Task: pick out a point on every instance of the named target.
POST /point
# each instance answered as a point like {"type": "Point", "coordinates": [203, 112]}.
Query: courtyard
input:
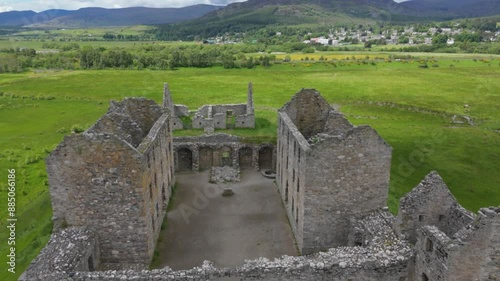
{"type": "Point", "coordinates": [204, 225]}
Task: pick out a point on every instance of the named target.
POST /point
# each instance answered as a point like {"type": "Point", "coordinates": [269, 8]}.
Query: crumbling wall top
{"type": "Point", "coordinates": [215, 138]}
{"type": "Point", "coordinates": [309, 111]}
{"type": "Point", "coordinates": [66, 251]}
{"type": "Point", "coordinates": [130, 119]}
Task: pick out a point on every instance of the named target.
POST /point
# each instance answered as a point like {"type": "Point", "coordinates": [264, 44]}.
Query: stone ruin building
{"type": "Point", "coordinates": [116, 178]}
{"type": "Point", "coordinates": [329, 173]}
{"type": "Point", "coordinates": [451, 243]}
{"type": "Point", "coordinates": [211, 117]}
{"type": "Point", "coordinates": [111, 185]}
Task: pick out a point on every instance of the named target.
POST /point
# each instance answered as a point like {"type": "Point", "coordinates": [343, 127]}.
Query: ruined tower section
{"type": "Point", "coordinates": [473, 253]}
{"type": "Point", "coordinates": [250, 99]}
{"type": "Point", "coordinates": [247, 120]}
{"type": "Point", "coordinates": [175, 110]}
{"type": "Point", "coordinates": [430, 203]}
{"type": "Point", "coordinates": [329, 173]}
{"type": "Point", "coordinates": [116, 179]}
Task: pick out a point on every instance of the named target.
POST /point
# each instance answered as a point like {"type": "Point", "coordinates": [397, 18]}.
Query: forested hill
{"type": "Point", "coordinates": [255, 14]}
{"type": "Point", "coordinates": [98, 17]}
{"type": "Point", "coordinates": [241, 17]}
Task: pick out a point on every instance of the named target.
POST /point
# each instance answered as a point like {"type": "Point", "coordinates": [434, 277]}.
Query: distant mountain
{"type": "Point", "coordinates": [452, 8]}
{"type": "Point", "coordinates": [94, 17]}
{"type": "Point", "coordinates": [20, 18]}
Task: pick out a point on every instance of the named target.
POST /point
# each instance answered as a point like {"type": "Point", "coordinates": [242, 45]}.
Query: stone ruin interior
{"type": "Point", "coordinates": [111, 186]}
{"type": "Point", "coordinates": [211, 117]}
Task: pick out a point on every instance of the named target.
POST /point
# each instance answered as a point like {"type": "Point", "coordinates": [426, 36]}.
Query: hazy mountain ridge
{"type": "Point", "coordinates": [94, 17]}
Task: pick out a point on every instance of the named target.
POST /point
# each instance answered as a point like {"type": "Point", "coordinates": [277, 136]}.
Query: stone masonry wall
{"type": "Point", "coordinates": [69, 250]}
{"type": "Point", "coordinates": [208, 151]}
{"type": "Point", "coordinates": [87, 179]}
{"type": "Point", "coordinates": [430, 203]}
{"type": "Point", "coordinates": [157, 176]}
{"type": "Point", "coordinates": [245, 121]}
{"type": "Point", "coordinates": [456, 218]}
{"type": "Point", "coordinates": [177, 123]}
{"type": "Point", "coordinates": [309, 111]}
{"type": "Point", "coordinates": [99, 180]}
{"type": "Point", "coordinates": [345, 178]}
{"type": "Point", "coordinates": [472, 254]}
{"type": "Point", "coordinates": [478, 255]}
{"type": "Point", "coordinates": [212, 116]}
{"type": "Point", "coordinates": [141, 111]}
{"type": "Point", "coordinates": [384, 258]}
{"type": "Point", "coordinates": [328, 172]}
{"type": "Point", "coordinates": [217, 115]}
{"type": "Point", "coordinates": [291, 174]}
{"type": "Point", "coordinates": [181, 110]}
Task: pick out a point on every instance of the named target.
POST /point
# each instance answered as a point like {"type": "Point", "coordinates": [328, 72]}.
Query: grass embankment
{"type": "Point", "coordinates": [411, 107]}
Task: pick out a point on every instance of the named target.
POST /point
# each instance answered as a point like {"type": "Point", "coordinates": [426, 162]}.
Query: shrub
{"type": "Point", "coordinates": [77, 128]}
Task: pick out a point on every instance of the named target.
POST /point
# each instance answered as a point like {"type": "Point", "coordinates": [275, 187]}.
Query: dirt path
{"type": "Point", "coordinates": [203, 225]}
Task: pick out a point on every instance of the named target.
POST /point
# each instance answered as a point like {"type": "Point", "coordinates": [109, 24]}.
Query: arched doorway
{"type": "Point", "coordinates": [226, 156]}
{"type": "Point", "coordinates": [206, 158]}
{"type": "Point", "coordinates": [266, 158]}
{"type": "Point", "coordinates": [246, 157]}
{"type": "Point", "coordinates": [184, 159]}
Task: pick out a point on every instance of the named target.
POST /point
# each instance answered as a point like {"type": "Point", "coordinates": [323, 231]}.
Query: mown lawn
{"type": "Point", "coordinates": [411, 107]}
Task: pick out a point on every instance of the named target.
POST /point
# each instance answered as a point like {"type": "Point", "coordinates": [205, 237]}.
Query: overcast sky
{"type": "Point", "coordinates": [42, 5]}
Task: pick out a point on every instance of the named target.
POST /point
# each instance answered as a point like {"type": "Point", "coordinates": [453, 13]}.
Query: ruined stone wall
{"type": "Point", "coordinates": [430, 203]}
{"type": "Point", "coordinates": [308, 110]}
{"type": "Point", "coordinates": [383, 258]}
{"type": "Point", "coordinates": [88, 176]}
{"type": "Point", "coordinates": [70, 250]}
{"type": "Point", "coordinates": [237, 109]}
{"type": "Point", "coordinates": [303, 270]}
{"type": "Point", "coordinates": [328, 172]}
{"type": "Point", "coordinates": [217, 115]}
{"type": "Point", "coordinates": [177, 124]}
{"type": "Point", "coordinates": [479, 257]}
{"type": "Point", "coordinates": [181, 110]}
{"type": "Point", "coordinates": [336, 124]}
{"type": "Point", "coordinates": [346, 178]}
{"type": "Point", "coordinates": [157, 176]}
{"type": "Point", "coordinates": [456, 218]}
{"type": "Point", "coordinates": [245, 121]}
{"type": "Point", "coordinates": [209, 150]}
{"type": "Point", "coordinates": [472, 254]}
{"type": "Point", "coordinates": [212, 116]}
{"type": "Point", "coordinates": [141, 111]}
{"type": "Point", "coordinates": [99, 180]}
{"type": "Point", "coordinates": [432, 254]}
{"type": "Point", "coordinates": [120, 125]}
{"type": "Point", "coordinates": [220, 121]}
{"type": "Point", "coordinates": [291, 173]}
{"type": "Point", "coordinates": [129, 120]}
{"type": "Point", "coordinates": [200, 122]}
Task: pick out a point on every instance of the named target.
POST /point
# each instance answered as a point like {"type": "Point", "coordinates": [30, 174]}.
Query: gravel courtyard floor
{"type": "Point", "coordinates": [204, 225]}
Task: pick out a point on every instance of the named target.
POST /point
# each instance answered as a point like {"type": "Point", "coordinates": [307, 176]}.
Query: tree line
{"type": "Point", "coordinates": [158, 57]}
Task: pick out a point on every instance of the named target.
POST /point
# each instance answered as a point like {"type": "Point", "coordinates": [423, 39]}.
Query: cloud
{"type": "Point", "coordinates": [42, 5]}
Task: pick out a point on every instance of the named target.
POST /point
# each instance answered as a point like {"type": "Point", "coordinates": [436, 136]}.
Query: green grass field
{"type": "Point", "coordinates": [13, 42]}
{"type": "Point", "coordinates": [411, 107]}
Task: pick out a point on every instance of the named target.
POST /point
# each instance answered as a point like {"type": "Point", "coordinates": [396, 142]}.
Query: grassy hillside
{"type": "Point", "coordinates": [251, 15]}
{"type": "Point", "coordinates": [411, 107]}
